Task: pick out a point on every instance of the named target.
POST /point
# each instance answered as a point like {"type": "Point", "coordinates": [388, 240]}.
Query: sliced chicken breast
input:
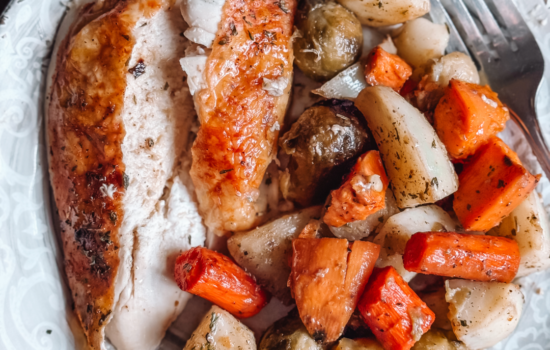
{"type": "Point", "coordinates": [119, 121]}
{"type": "Point", "coordinates": [241, 92]}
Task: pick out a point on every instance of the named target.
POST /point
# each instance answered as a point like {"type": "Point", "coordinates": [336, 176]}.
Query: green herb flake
{"type": "Point", "coordinates": [189, 239]}
{"type": "Point", "coordinates": [166, 86]}
{"type": "Point", "coordinates": [225, 171]}
{"type": "Point", "coordinates": [468, 207]}
{"type": "Point", "coordinates": [213, 320]}
{"type": "Point", "coordinates": [49, 331]}
{"type": "Point", "coordinates": [127, 37]}
{"type": "Point", "coordinates": [250, 36]}
{"type": "Point", "coordinates": [268, 181]}
{"type": "Point", "coordinates": [150, 142]}
{"type": "Point", "coordinates": [435, 183]}
{"type": "Point", "coordinates": [514, 232]}
{"type": "Point", "coordinates": [433, 143]}
{"type": "Point", "coordinates": [233, 29]}
{"type": "Point", "coordinates": [463, 323]}
{"type": "Point", "coordinates": [244, 19]}
{"type": "Point", "coordinates": [223, 41]}
{"type": "Point", "coordinates": [500, 184]}
{"type": "Point", "coordinates": [125, 180]}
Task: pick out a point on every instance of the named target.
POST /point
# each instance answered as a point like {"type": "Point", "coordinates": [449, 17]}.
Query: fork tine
{"type": "Point", "coordinates": [468, 30]}
{"type": "Point", "coordinates": [490, 24]}
{"type": "Point", "coordinates": [509, 17]}
{"type": "Point", "coordinates": [440, 16]}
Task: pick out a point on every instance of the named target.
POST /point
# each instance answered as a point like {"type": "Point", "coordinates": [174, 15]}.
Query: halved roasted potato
{"type": "Point", "coordinates": [483, 313]}
{"type": "Point", "coordinates": [416, 160]}
{"type": "Point", "coordinates": [528, 225]}
{"type": "Point", "coordinates": [264, 251]}
{"type": "Point", "coordinates": [421, 40]}
{"type": "Point", "coordinates": [219, 330]}
{"type": "Point", "coordinates": [377, 13]}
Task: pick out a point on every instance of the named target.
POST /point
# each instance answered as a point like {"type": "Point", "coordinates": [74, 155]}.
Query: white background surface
{"type": "Point", "coordinates": [34, 313]}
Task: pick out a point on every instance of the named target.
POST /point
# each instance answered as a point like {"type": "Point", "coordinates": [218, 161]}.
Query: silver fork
{"type": "Point", "coordinates": [499, 40]}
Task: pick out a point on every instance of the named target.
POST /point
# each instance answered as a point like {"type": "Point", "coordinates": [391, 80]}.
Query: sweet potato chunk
{"type": "Point", "coordinates": [327, 281]}
{"type": "Point", "coordinates": [471, 257]}
{"type": "Point", "coordinates": [467, 116]}
{"type": "Point", "coordinates": [386, 69]}
{"type": "Point", "coordinates": [492, 185]}
{"type": "Point", "coordinates": [362, 194]}
{"type": "Point", "coordinates": [393, 311]}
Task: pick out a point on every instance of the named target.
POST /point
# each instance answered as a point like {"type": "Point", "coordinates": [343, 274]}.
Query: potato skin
{"type": "Point", "coordinates": [322, 144]}
{"type": "Point", "coordinates": [378, 13]}
{"type": "Point", "coordinates": [331, 40]}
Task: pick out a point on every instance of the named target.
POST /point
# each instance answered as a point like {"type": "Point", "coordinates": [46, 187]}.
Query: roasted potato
{"type": "Point", "coordinates": [483, 313]}
{"type": "Point", "coordinates": [397, 230]}
{"type": "Point", "coordinates": [322, 144]}
{"type": "Point", "coordinates": [421, 40]}
{"type": "Point", "coordinates": [357, 230]}
{"type": "Point", "coordinates": [264, 251]}
{"type": "Point", "coordinates": [528, 225]}
{"type": "Point", "coordinates": [219, 330]}
{"type": "Point", "coordinates": [331, 40]}
{"type": "Point", "coordinates": [455, 65]}
{"type": "Point", "coordinates": [377, 13]}
{"type": "Point", "coordinates": [435, 339]}
{"type": "Point", "coordinates": [416, 161]}
{"type": "Point", "coordinates": [288, 333]}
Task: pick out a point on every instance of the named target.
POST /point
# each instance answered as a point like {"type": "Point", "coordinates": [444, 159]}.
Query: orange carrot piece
{"type": "Point", "coordinates": [327, 280]}
{"type": "Point", "coordinates": [472, 257]}
{"type": "Point", "coordinates": [393, 311]}
{"type": "Point", "coordinates": [362, 194]}
{"type": "Point", "coordinates": [491, 186]}
{"type": "Point", "coordinates": [467, 116]}
{"type": "Point", "coordinates": [216, 278]}
{"type": "Point", "coordinates": [386, 69]}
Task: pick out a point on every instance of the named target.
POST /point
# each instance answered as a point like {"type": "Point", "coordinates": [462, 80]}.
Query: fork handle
{"type": "Point", "coordinates": [531, 129]}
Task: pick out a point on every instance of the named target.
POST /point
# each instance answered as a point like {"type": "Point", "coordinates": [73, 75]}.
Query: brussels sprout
{"type": "Point", "coordinates": [331, 40]}
{"type": "Point", "coordinates": [288, 333]}
{"type": "Point", "coordinates": [323, 143]}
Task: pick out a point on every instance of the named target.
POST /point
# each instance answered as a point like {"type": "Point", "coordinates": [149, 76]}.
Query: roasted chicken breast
{"type": "Point", "coordinates": [118, 120]}
{"type": "Point", "coordinates": [241, 105]}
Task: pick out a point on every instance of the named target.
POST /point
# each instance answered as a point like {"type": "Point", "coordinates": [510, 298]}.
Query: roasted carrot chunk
{"type": "Point", "coordinates": [216, 278]}
{"type": "Point", "coordinates": [327, 280]}
{"type": "Point", "coordinates": [393, 311]}
{"type": "Point", "coordinates": [467, 116]}
{"type": "Point", "coordinates": [386, 69]}
{"type": "Point", "coordinates": [362, 194]}
{"type": "Point", "coordinates": [491, 186]}
{"type": "Point", "coordinates": [472, 257]}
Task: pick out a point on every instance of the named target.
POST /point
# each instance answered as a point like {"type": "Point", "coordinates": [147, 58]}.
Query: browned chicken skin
{"type": "Point", "coordinates": [239, 119]}
{"type": "Point", "coordinates": [85, 132]}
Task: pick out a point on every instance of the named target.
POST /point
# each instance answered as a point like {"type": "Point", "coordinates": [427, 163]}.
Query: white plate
{"type": "Point", "coordinates": [34, 312]}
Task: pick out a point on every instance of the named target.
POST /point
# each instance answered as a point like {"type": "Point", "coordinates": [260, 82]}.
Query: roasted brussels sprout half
{"type": "Point", "coordinates": [288, 333]}
{"type": "Point", "coordinates": [331, 40]}
{"type": "Point", "coordinates": [323, 144]}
